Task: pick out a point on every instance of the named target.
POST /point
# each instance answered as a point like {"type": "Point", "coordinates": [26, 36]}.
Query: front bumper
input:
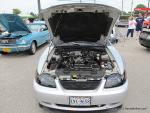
{"type": "Point", "coordinates": [58, 98]}
{"type": "Point", "coordinates": [144, 42]}
{"type": "Point", "coordinates": [13, 48]}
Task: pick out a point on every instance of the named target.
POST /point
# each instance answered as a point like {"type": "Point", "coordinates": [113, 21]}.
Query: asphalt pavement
{"type": "Point", "coordinates": [18, 70]}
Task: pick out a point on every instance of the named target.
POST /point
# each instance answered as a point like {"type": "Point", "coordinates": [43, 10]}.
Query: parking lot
{"type": "Point", "coordinates": [18, 70]}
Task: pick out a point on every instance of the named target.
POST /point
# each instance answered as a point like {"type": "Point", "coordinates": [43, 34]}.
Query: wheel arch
{"type": "Point", "coordinates": [35, 43]}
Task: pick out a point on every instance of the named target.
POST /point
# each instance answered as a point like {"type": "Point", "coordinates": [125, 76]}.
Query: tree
{"type": "Point", "coordinates": [33, 14]}
{"type": "Point", "coordinates": [140, 6]}
{"type": "Point", "coordinates": [16, 11]}
{"type": "Point", "coordinates": [124, 13]}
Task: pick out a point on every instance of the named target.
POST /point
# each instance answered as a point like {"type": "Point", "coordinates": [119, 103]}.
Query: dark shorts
{"type": "Point", "coordinates": [139, 28]}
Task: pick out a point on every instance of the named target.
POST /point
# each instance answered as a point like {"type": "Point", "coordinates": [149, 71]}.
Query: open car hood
{"type": "Point", "coordinates": [13, 23]}
{"type": "Point", "coordinates": [81, 22]}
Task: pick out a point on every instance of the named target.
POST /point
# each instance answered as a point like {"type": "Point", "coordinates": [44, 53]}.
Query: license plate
{"type": "Point", "coordinates": [6, 50]}
{"type": "Point", "coordinates": [80, 101]}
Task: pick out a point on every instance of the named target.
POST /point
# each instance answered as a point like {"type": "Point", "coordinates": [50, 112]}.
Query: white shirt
{"type": "Point", "coordinates": [132, 24]}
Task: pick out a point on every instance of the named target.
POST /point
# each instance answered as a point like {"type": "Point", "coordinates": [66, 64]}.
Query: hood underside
{"type": "Point", "coordinates": [13, 23]}
{"type": "Point", "coordinates": [81, 22]}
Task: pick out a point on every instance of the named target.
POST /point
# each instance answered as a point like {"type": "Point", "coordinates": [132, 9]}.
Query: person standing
{"type": "Point", "coordinates": [139, 25]}
{"type": "Point", "coordinates": [131, 26]}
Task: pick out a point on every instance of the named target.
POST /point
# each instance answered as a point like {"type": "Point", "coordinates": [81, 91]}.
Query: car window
{"type": "Point", "coordinates": [147, 19]}
{"type": "Point", "coordinates": [34, 27]}
{"type": "Point", "coordinates": [43, 27]}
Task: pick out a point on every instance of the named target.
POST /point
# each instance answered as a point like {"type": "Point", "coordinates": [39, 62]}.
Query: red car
{"type": "Point", "coordinates": [147, 23]}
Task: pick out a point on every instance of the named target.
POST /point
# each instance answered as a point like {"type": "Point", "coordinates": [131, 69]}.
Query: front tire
{"type": "Point", "coordinates": [32, 49]}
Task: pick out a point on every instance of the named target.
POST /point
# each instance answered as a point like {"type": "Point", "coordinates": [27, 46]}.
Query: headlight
{"type": "Point", "coordinates": [46, 79]}
{"type": "Point", "coordinates": [114, 80]}
{"type": "Point", "coordinates": [23, 42]}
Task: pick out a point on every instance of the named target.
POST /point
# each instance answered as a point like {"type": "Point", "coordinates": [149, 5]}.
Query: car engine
{"type": "Point", "coordinates": [79, 64]}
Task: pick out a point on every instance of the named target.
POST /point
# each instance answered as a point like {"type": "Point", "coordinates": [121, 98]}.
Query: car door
{"type": "Point", "coordinates": [36, 35]}
{"type": "Point", "coordinates": [44, 34]}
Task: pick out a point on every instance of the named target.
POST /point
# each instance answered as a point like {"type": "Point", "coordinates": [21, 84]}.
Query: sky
{"type": "Point", "coordinates": [27, 6]}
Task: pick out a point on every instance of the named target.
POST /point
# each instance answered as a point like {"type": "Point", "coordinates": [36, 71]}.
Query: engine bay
{"type": "Point", "coordinates": [79, 64]}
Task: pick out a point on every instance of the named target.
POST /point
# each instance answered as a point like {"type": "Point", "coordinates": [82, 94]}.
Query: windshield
{"type": "Point", "coordinates": [34, 27]}
{"type": "Point", "coordinates": [37, 27]}
{"type": "Point", "coordinates": [49, 3]}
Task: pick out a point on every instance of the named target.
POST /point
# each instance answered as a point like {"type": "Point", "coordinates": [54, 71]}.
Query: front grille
{"type": "Point", "coordinates": [80, 85]}
{"type": "Point", "coordinates": [7, 41]}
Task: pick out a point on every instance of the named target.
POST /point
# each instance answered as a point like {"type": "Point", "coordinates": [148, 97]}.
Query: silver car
{"type": "Point", "coordinates": [81, 70]}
